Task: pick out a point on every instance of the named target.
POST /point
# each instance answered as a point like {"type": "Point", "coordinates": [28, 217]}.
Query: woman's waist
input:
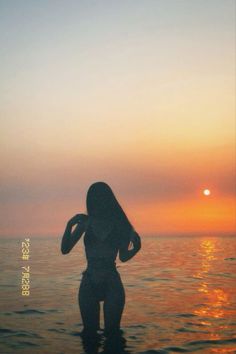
{"type": "Point", "coordinates": [101, 263]}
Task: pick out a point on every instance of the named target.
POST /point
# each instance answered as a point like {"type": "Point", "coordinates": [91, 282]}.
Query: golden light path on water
{"type": "Point", "coordinates": [215, 297]}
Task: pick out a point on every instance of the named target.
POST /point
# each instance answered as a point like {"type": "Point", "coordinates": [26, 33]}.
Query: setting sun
{"type": "Point", "coordinates": [206, 192]}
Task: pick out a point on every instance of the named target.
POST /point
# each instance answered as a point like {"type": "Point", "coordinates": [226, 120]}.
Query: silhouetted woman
{"type": "Point", "coordinates": [107, 232]}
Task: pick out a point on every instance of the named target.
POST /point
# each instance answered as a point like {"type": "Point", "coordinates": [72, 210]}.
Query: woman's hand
{"type": "Point", "coordinates": [78, 218]}
{"type": "Point", "coordinates": [70, 238]}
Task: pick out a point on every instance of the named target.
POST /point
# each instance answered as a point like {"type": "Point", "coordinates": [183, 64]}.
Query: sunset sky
{"type": "Point", "coordinates": [138, 93]}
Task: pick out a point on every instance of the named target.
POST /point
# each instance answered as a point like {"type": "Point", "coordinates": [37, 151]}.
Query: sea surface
{"type": "Point", "coordinates": [180, 297]}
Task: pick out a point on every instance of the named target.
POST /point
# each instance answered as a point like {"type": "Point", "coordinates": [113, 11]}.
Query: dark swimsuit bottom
{"type": "Point", "coordinates": [101, 274]}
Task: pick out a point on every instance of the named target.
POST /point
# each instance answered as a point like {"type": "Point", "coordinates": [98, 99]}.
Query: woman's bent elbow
{"type": "Point", "coordinates": [123, 258]}
{"type": "Point", "coordinates": [64, 251]}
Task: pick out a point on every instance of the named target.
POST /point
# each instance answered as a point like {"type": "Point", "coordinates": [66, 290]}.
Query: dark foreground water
{"type": "Point", "coordinates": [180, 297]}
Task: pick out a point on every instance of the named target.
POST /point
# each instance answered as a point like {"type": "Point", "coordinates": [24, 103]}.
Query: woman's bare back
{"type": "Point", "coordinates": [101, 227]}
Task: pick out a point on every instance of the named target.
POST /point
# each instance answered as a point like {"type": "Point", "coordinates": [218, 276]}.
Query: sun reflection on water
{"type": "Point", "coordinates": [215, 298]}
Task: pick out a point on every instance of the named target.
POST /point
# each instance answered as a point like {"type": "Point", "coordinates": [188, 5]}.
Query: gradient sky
{"type": "Point", "coordinates": [139, 94]}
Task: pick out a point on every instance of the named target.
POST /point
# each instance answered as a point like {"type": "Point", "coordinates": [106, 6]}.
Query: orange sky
{"type": "Point", "coordinates": [135, 95]}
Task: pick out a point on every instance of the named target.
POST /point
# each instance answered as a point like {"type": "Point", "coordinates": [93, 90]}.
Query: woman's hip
{"type": "Point", "coordinates": [102, 284]}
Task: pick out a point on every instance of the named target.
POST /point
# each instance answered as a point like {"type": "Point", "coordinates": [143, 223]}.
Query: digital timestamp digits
{"type": "Point", "coordinates": [25, 274]}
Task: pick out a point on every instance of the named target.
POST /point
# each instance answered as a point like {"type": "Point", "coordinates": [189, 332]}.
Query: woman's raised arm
{"type": "Point", "coordinates": [124, 252]}
{"type": "Point", "coordinates": [70, 238]}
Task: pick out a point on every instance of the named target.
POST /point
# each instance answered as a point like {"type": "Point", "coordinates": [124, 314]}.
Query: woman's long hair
{"type": "Point", "coordinates": [102, 203]}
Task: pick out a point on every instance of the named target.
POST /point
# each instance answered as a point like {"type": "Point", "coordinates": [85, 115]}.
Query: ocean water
{"type": "Point", "coordinates": [180, 297]}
